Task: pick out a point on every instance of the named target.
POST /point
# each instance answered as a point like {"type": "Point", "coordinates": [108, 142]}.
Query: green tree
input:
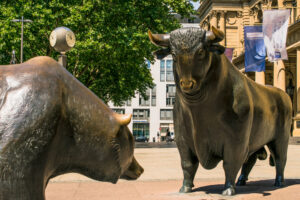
{"type": "Point", "coordinates": [111, 38]}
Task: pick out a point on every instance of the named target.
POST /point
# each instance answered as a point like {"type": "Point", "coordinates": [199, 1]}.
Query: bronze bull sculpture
{"type": "Point", "coordinates": [220, 114]}
{"type": "Point", "coordinates": [51, 124]}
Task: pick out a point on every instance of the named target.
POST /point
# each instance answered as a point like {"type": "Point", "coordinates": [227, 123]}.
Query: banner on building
{"type": "Point", "coordinates": [255, 51]}
{"type": "Point", "coordinates": [228, 53]}
{"type": "Point", "coordinates": [275, 25]}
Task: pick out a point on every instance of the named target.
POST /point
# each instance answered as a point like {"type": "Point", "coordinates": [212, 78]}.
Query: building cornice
{"type": "Point", "coordinates": [207, 6]}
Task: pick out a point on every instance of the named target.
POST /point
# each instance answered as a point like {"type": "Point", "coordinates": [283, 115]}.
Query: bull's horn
{"type": "Point", "coordinates": [123, 119]}
{"type": "Point", "coordinates": [214, 36]}
{"type": "Point", "coordinates": [162, 40]}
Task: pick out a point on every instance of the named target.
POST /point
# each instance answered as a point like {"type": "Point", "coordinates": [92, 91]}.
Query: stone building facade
{"type": "Point", "coordinates": [231, 16]}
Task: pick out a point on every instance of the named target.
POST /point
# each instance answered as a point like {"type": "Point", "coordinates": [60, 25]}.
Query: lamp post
{"type": "Point", "coordinates": [13, 57]}
{"type": "Point", "coordinates": [62, 39]}
{"type": "Point", "coordinates": [22, 20]}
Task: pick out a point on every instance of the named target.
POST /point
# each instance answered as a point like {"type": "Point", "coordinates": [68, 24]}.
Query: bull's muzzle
{"type": "Point", "coordinates": [187, 84]}
{"type": "Point", "coordinates": [133, 172]}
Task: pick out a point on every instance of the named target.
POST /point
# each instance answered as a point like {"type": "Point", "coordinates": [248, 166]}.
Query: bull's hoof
{"type": "Point", "coordinates": [242, 180]}
{"type": "Point", "coordinates": [279, 182]}
{"type": "Point", "coordinates": [185, 189]}
{"type": "Point", "coordinates": [241, 183]}
{"type": "Point", "coordinates": [229, 191]}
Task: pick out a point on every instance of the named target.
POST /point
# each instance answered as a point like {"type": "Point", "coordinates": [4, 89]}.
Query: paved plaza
{"type": "Point", "coordinates": [163, 176]}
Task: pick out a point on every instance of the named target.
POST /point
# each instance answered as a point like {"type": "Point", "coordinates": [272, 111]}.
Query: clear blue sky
{"type": "Point", "coordinates": [196, 5]}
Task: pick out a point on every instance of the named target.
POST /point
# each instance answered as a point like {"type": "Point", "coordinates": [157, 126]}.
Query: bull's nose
{"type": "Point", "coordinates": [187, 84]}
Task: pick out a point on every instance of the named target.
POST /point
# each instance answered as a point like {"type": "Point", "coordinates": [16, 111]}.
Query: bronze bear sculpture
{"type": "Point", "coordinates": [51, 124]}
{"type": "Point", "coordinates": [220, 114]}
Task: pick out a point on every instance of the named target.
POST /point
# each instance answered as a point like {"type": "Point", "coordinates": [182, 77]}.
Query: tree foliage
{"type": "Point", "coordinates": [111, 38]}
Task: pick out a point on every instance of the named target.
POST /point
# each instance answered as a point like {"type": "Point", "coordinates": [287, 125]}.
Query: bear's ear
{"type": "Point", "coordinates": [161, 53]}
{"type": "Point", "coordinates": [216, 48]}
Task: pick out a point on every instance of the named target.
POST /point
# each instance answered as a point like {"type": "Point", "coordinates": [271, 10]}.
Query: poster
{"type": "Point", "coordinates": [275, 25]}
{"type": "Point", "coordinates": [255, 51]}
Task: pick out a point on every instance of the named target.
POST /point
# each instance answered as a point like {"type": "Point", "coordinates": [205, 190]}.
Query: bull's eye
{"type": "Point", "coordinates": [201, 53]}
{"type": "Point", "coordinates": [173, 54]}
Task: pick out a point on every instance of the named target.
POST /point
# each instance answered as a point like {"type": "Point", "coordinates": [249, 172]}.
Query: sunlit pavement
{"type": "Point", "coordinates": [163, 176]}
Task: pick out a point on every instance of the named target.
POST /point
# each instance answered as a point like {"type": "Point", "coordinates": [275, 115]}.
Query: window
{"type": "Point", "coordinates": [145, 102]}
{"type": "Point", "coordinates": [153, 96]}
{"type": "Point", "coordinates": [140, 129]}
{"type": "Point", "coordinates": [162, 70]}
{"type": "Point", "coordinates": [166, 114]}
{"type": "Point", "coordinates": [166, 70]}
{"type": "Point", "coordinates": [141, 114]}
{"type": "Point", "coordinates": [169, 74]}
{"type": "Point", "coordinates": [119, 110]}
{"type": "Point", "coordinates": [170, 95]}
{"type": "Point", "coordinates": [128, 103]}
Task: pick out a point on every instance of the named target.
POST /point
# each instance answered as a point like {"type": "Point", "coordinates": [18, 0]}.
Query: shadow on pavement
{"type": "Point", "coordinates": [263, 187]}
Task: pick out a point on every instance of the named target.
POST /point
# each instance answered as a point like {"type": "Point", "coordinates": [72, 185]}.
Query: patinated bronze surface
{"type": "Point", "coordinates": [219, 113]}
{"type": "Point", "coordinates": [51, 124]}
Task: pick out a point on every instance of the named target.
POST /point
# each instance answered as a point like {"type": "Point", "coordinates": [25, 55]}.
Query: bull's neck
{"type": "Point", "coordinates": [214, 83]}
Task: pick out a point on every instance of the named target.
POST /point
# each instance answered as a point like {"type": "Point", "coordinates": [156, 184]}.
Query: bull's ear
{"type": "Point", "coordinates": [161, 53]}
{"type": "Point", "coordinates": [162, 40]}
{"type": "Point", "coordinates": [216, 48]}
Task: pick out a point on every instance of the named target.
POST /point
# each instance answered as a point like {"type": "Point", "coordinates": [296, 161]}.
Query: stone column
{"type": "Point", "coordinates": [279, 75]}
{"type": "Point", "coordinates": [298, 9]}
{"type": "Point", "coordinates": [296, 130]}
{"type": "Point", "coordinates": [260, 77]}
{"type": "Point", "coordinates": [280, 3]}
{"type": "Point", "coordinates": [240, 47]}
{"type": "Point", "coordinates": [289, 5]}
{"type": "Point", "coordinates": [222, 25]}
{"type": "Point", "coordinates": [213, 19]}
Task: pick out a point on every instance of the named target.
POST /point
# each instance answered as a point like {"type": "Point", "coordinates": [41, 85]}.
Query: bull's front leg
{"type": "Point", "coordinates": [189, 165]}
{"type": "Point", "coordinates": [233, 159]}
